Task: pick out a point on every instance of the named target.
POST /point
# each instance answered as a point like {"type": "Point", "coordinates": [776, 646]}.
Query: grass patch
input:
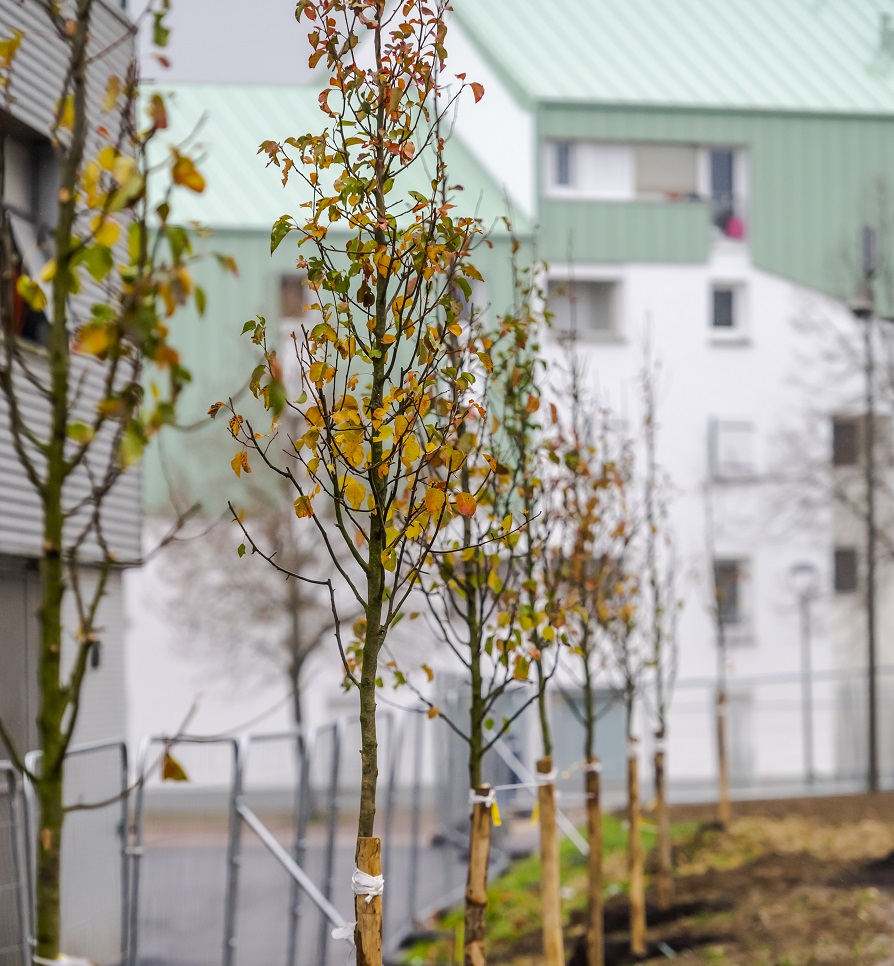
{"type": "Point", "coordinates": [513, 899]}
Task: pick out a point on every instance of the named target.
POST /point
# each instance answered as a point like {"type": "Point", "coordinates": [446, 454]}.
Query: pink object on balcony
{"type": "Point", "coordinates": [735, 227]}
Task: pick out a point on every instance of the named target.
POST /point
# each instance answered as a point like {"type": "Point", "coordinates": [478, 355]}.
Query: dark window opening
{"type": "Point", "coordinates": [845, 570]}
{"type": "Point", "coordinates": [291, 297]}
{"type": "Point", "coordinates": [723, 308]}
{"type": "Point", "coordinates": [727, 590]}
{"type": "Point", "coordinates": [722, 188]}
{"type": "Point", "coordinates": [563, 164]}
{"type": "Point", "coordinates": [845, 441]}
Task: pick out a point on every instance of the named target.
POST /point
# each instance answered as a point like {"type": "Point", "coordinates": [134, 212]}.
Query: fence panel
{"type": "Point", "coordinates": [14, 949]}
{"type": "Point", "coordinates": [184, 855]}
{"type": "Point", "coordinates": [94, 920]}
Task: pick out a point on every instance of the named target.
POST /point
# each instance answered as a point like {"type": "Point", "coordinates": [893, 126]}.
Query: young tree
{"type": "Point", "coordinates": [540, 613]}
{"type": "Point", "coordinates": [118, 269]}
{"type": "Point", "coordinates": [659, 618]}
{"type": "Point", "coordinates": [387, 370]}
{"type": "Point", "coordinates": [473, 593]}
{"type": "Point", "coordinates": [721, 587]}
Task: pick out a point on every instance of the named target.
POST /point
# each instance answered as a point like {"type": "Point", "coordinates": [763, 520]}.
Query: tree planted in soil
{"type": "Point", "coordinates": [386, 371]}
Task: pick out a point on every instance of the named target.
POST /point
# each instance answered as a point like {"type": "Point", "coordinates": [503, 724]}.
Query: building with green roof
{"type": "Point", "coordinates": [695, 174]}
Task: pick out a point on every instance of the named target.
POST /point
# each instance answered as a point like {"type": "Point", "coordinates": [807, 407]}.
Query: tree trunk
{"type": "Point", "coordinates": [662, 820]}
{"type": "Point", "coordinates": [595, 924]}
{"type": "Point", "coordinates": [551, 900]}
{"type": "Point", "coordinates": [368, 934]}
{"type": "Point", "coordinates": [724, 811]}
{"type": "Point", "coordinates": [476, 883]}
{"type": "Point", "coordinates": [635, 861]}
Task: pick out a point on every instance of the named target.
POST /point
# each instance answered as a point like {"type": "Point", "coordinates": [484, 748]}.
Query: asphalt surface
{"type": "Point", "coordinates": [182, 902]}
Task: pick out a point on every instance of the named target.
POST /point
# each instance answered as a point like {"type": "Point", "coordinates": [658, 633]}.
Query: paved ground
{"type": "Point", "coordinates": [182, 901]}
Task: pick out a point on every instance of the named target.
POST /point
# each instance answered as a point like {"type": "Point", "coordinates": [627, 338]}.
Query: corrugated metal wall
{"type": "Point", "coordinates": [40, 64]}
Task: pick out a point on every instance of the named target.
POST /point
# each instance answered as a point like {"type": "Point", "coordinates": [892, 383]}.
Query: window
{"type": "Point", "coordinates": [845, 570]}
{"type": "Point", "coordinates": [845, 441]}
{"type": "Point", "coordinates": [731, 449]}
{"type": "Point", "coordinates": [723, 303]}
{"type": "Point", "coordinates": [21, 168]}
{"type": "Point", "coordinates": [589, 169]}
{"type": "Point", "coordinates": [562, 158]}
{"type": "Point", "coordinates": [848, 434]}
{"type": "Point", "coordinates": [583, 308]}
{"type": "Point", "coordinates": [666, 171]}
{"type": "Point", "coordinates": [728, 575]}
{"type": "Point", "coordinates": [291, 297]}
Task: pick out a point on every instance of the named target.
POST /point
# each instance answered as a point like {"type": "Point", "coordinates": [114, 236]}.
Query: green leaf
{"type": "Point", "coordinates": [241, 550]}
{"type": "Point", "coordinates": [200, 299]}
{"type": "Point", "coordinates": [132, 445]}
{"type": "Point", "coordinates": [160, 32]}
{"type": "Point", "coordinates": [280, 229]}
{"type": "Point", "coordinates": [80, 433]}
{"type": "Point", "coordinates": [99, 261]}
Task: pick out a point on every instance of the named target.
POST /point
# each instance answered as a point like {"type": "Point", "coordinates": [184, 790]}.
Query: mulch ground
{"type": "Point", "coordinates": [789, 883]}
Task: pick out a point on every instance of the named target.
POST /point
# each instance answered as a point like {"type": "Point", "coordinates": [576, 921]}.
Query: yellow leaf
{"type": "Point", "coordinates": [433, 712]}
{"type": "Point", "coordinates": [66, 115]}
{"type": "Point", "coordinates": [239, 463]}
{"type": "Point", "coordinates": [355, 492]}
{"type": "Point", "coordinates": [31, 292]}
{"type": "Point", "coordinates": [113, 89]}
{"type": "Point", "coordinates": [184, 172]}
{"type": "Point", "coordinates": [466, 504]}
{"type": "Point", "coordinates": [434, 500]}
{"type": "Point", "coordinates": [48, 272]}
{"type": "Point", "coordinates": [303, 507]}
{"type": "Point", "coordinates": [495, 814]}
{"type": "Point", "coordinates": [95, 339]}
{"type": "Point", "coordinates": [411, 451]}
{"type": "Point", "coordinates": [107, 157]}
{"type": "Point", "coordinates": [172, 770]}
{"type": "Point", "coordinates": [105, 231]}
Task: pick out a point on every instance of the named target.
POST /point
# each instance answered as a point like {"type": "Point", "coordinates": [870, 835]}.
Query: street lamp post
{"type": "Point", "coordinates": [805, 582]}
{"type": "Point", "coordinates": [863, 308]}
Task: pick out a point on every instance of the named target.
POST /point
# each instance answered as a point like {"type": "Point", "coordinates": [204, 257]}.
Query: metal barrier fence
{"type": "Point", "coordinates": [250, 863]}
{"type": "Point", "coordinates": [94, 850]}
{"type": "Point", "coordinates": [14, 949]}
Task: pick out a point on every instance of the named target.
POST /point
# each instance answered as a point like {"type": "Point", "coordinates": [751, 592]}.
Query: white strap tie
{"type": "Point", "coordinates": [547, 778]}
{"type": "Point", "coordinates": [344, 932]}
{"type": "Point", "coordinates": [364, 884]}
{"type": "Point", "coordinates": [490, 799]}
{"type": "Point", "coordinates": [593, 767]}
{"type": "Point", "coordinates": [660, 746]}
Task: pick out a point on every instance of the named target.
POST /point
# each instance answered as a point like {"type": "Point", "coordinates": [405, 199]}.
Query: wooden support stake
{"type": "Point", "coordinates": [476, 883]}
{"type": "Point", "coordinates": [368, 934]}
{"type": "Point", "coordinates": [724, 811]}
{"type": "Point", "coordinates": [635, 862]}
{"type": "Point", "coordinates": [662, 821]}
{"type": "Point", "coordinates": [595, 921]}
{"type": "Point", "coordinates": [551, 900]}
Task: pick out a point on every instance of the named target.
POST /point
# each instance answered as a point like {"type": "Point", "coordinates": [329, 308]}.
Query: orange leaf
{"type": "Point", "coordinates": [533, 404]}
{"type": "Point", "coordinates": [184, 172]}
{"type": "Point", "coordinates": [303, 507]}
{"type": "Point", "coordinates": [466, 504]}
{"type": "Point", "coordinates": [477, 90]}
{"type": "Point", "coordinates": [240, 463]}
{"type": "Point", "coordinates": [434, 500]}
{"type": "Point", "coordinates": [172, 770]}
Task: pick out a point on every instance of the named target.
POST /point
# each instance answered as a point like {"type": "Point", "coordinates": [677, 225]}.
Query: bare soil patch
{"type": "Point", "coordinates": [788, 884]}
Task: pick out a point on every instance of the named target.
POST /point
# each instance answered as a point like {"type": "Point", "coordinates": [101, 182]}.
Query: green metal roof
{"type": "Point", "coordinates": [223, 125]}
{"type": "Point", "coordinates": [827, 56]}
